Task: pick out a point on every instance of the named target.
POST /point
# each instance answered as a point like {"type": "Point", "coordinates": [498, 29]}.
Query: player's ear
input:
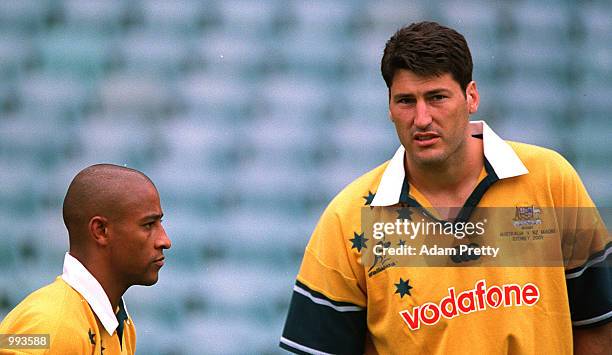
{"type": "Point", "coordinates": [98, 229]}
{"type": "Point", "coordinates": [472, 96]}
{"type": "Point", "coordinates": [389, 99]}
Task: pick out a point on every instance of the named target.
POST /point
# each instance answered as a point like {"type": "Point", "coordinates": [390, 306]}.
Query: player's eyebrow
{"type": "Point", "coordinates": [152, 217]}
{"type": "Point", "coordinates": [429, 93]}
{"type": "Point", "coordinates": [437, 92]}
{"type": "Point", "coordinates": [399, 96]}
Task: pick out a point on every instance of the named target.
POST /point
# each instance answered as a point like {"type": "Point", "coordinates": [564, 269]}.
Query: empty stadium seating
{"type": "Point", "coordinates": [250, 116]}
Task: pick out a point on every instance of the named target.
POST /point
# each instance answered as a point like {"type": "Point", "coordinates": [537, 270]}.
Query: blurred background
{"type": "Point", "coordinates": [250, 116]}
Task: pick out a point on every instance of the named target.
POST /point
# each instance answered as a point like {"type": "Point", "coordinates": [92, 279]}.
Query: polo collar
{"type": "Point", "coordinates": [80, 279]}
{"type": "Point", "coordinates": [498, 153]}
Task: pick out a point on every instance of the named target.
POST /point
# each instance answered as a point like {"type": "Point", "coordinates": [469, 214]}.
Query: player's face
{"type": "Point", "coordinates": [431, 116]}
{"type": "Point", "coordinates": [138, 237]}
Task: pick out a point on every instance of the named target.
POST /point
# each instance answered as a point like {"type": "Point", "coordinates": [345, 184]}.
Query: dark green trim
{"type": "Point", "coordinates": [121, 318]}
{"type": "Point", "coordinates": [471, 202]}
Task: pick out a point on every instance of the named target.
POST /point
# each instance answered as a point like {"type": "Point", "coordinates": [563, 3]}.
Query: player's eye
{"type": "Point", "coordinates": [405, 101]}
{"type": "Point", "coordinates": [438, 97]}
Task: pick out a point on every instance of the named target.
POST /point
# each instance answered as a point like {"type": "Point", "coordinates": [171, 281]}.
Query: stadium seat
{"type": "Point", "coordinates": [254, 19]}
{"type": "Point", "coordinates": [542, 21]}
{"type": "Point", "coordinates": [543, 94]}
{"type": "Point", "coordinates": [226, 334]}
{"type": "Point", "coordinates": [593, 99]}
{"type": "Point", "coordinates": [23, 16]}
{"type": "Point", "coordinates": [250, 116]}
{"type": "Point", "coordinates": [280, 139]}
{"type": "Point", "coordinates": [293, 94]}
{"type": "Point", "coordinates": [314, 53]}
{"type": "Point", "coordinates": [76, 52]}
{"type": "Point", "coordinates": [388, 16]}
{"type": "Point", "coordinates": [57, 97]}
{"type": "Point", "coordinates": [233, 53]}
{"type": "Point", "coordinates": [16, 53]}
{"type": "Point", "coordinates": [239, 290]}
{"type": "Point", "coordinates": [128, 93]}
{"type": "Point", "coordinates": [364, 140]}
{"type": "Point", "coordinates": [178, 16]}
{"type": "Point", "coordinates": [215, 96]}
{"type": "Point", "coordinates": [118, 139]}
{"type": "Point", "coordinates": [104, 16]}
{"type": "Point", "coordinates": [41, 145]}
{"type": "Point", "coordinates": [158, 54]}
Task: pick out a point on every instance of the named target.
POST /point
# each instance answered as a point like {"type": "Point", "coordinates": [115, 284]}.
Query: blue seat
{"type": "Point", "coordinates": [153, 52]}
{"type": "Point", "coordinates": [388, 16]}
{"type": "Point", "coordinates": [281, 140]}
{"type": "Point", "coordinates": [370, 138]}
{"type": "Point", "coordinates": [77, 52]}
{"type": "Point", "coordinates": [296, 94]}
{"type": "Point", "coordinates": [316, 54]}
{"type": "Point", "coordinates": [130, 93]}
{"type": "Point", "coordinates": [102, 16]}
{"type": "Point", "coordinates": [542, 21]}
{"type": "Point", "coordinates": [531, 127]}
{"type": "Point", "coordinates": [24, 16]}
{"type": "Point", "coordinates": [43, 143]}
{"type": "Point", "coordinates": [16, 51]}
{"type": "Point", "coordinates": [254, 19]}
{"type": "Point", "coordinates": [245, 290]}
{"type": "Point", "coordinates": [212, 95]}
{"type": "Point", "coordinates": [332, 18]}
{"type": "Point", "coordinates": [233, 54]}
{"type": "Point", "coordinates": [179, 16]}
{"type": "Point", "coordinates": [217, 333]}
{"type": "Point", "coordinates": [163, 301]}
{"type": "Point", "coordinates": [541, 94]}
{"type": "Point", "coordinates": [54, 96]}
{"type": "Point", "coordinates": [117, 139]}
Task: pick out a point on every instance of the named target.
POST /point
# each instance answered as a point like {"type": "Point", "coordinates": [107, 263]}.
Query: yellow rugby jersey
{"type": "Point", "coordinates": [76, 313]}
{"type": "Point", "coordinates": [340, 306]}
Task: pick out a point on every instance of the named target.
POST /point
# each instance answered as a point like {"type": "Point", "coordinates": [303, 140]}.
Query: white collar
{"type": "Point", "coordinates": [500, 155]}
{"type": "Point", "coordinates": [80, 279]}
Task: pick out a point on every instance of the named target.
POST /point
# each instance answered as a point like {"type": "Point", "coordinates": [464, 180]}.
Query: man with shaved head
{"type": "Point", "coordinates": [113, 216]}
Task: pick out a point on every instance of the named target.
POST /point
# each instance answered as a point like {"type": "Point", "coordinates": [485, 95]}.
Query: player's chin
{"type": "Point", "coordinates": [150, 279]}
{"type": "Point", "coordinates": [430, 157]}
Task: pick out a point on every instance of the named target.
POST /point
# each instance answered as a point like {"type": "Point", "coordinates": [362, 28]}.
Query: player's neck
{"type": "Point", "coordinates": [110, 284]}
{"type": "Point", "coordinates": [450, 183]}
{"type": "Point", "coordinates": [114, 294]}
{"type": "Point", "coordinates": [113, 289]}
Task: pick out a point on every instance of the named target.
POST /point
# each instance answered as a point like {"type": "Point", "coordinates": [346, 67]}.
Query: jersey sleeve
{"type": "Point", "coordinates": [586, 247]}
{"type": "Point", "coordinates": [327, 313]}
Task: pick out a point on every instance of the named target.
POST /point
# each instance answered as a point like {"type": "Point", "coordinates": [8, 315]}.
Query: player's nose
{"type": "Point", "coordinates": [422, 117]}
{"type": "Point", "coordinates": [163, 241]}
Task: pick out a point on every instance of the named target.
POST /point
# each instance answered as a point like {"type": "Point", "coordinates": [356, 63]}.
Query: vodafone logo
{"type": "Point", "coordinates": [479, 298]}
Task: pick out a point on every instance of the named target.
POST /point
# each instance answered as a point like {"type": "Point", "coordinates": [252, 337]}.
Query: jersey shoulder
{"type": "Point", "coordinates": [551, 174]}
{"type": "Point", "coordinates": [53, 309]}
{"type": "Point", "coordinates": [359, 193]}
{"type": "Point", "coordinates": [539, 159]}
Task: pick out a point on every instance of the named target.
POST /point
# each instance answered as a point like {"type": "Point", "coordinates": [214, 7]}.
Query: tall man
{"type": "Point", "coordinates": [113, 216]}
{"type": "Point", "coordinates": [445, 167]}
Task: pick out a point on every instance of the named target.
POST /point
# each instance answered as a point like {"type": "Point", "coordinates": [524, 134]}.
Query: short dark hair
{"type": "Point", "coordinates": [428, 49]}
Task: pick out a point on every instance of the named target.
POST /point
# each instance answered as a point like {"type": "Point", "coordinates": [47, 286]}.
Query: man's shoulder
{"type": "Point", "coordinates": [360, 192]}
{"type": "Point", "coordinates": [45, 309]}
{"type": "Point", "coordinates": [536, 158]}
